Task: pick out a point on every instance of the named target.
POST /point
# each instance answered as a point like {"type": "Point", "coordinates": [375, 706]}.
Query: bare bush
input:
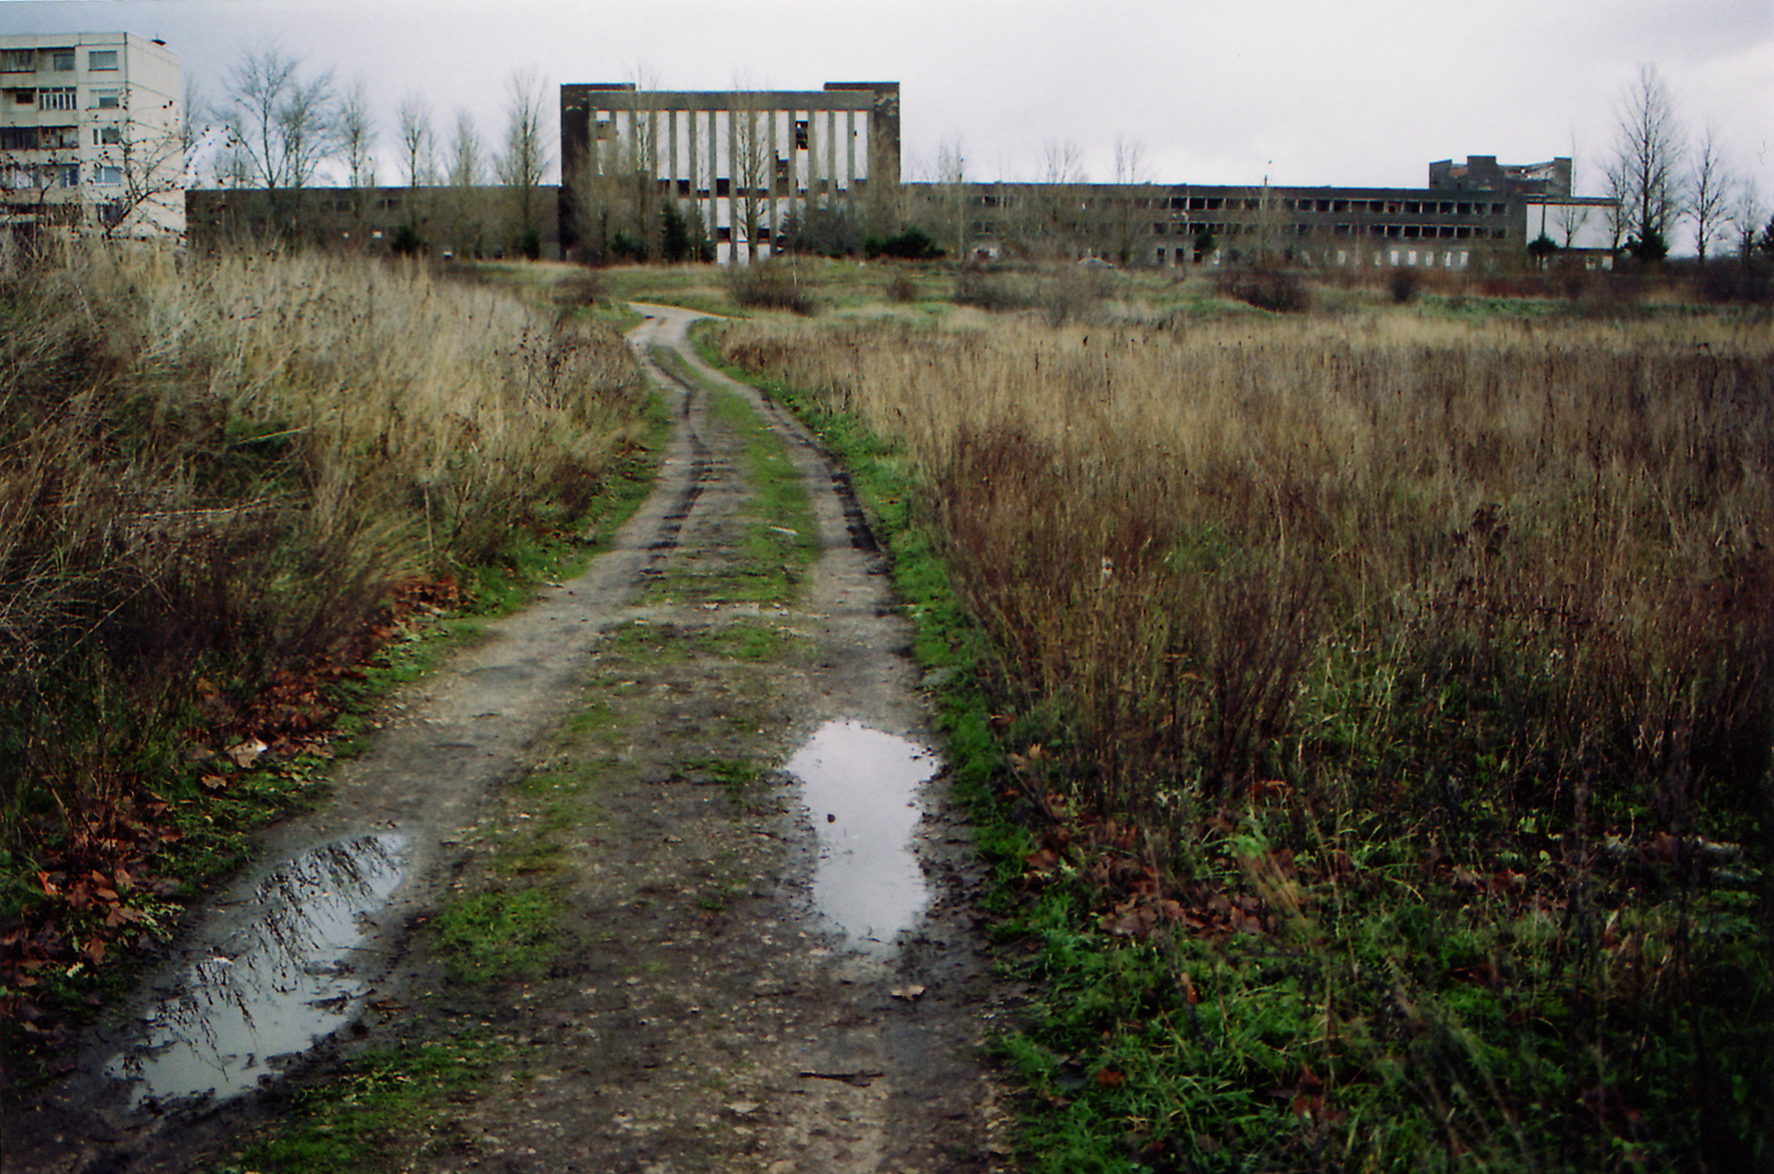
{"type": "Point", "coordinates": [770, 287]}
{"type": "Point", "coordinates": [1280, 291]}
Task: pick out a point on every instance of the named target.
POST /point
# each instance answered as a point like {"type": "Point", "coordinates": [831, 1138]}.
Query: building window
{"type": "Point", "coordinates": [108, 176]}
{"type": "Point", "coordinates": [58, 98]}
{"type": "Point", "coordinates": [101, 59]}
{"type": "Point", "coordinates": [107, 135]}
{"type": "Point", "coordinates": [71, 175]}
{"type": "Point", "coordinates": [106, 99]}
{"type": "Point", "coordinates": [61, 60]}
{"type": "Point", "coordinates": [58, 136]}
{"type": "Point", "coordinates": [18, 61]}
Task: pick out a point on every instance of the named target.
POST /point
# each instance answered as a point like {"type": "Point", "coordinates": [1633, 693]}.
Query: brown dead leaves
{"type": "Point", "coordinates": [95, 888]}
{"type": "Point", "coordinates": [1138, 901]}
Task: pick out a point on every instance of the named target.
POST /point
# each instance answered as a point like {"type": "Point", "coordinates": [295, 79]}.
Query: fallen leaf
{"type": "Point", "coordinates": [910, 994]}
{"type": "Point", "coordinates": [245, 753]}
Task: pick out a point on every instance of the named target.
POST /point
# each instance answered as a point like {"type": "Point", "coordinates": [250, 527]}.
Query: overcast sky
{"type": "Point", "coordinates": [1343, 92]}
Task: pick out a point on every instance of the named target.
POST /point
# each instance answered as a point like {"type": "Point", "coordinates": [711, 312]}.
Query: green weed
{"type": "Point", "coordinates": [499, 934]}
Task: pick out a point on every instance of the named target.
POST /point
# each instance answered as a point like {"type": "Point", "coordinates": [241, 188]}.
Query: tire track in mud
{"type": "Point", "coordinates": [702, 1013]}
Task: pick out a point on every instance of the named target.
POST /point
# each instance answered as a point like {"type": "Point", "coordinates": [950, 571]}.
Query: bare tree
{"type": "Point", "coordinates": [948, 183]}
{"type": "Point", "coordinates": [1057, 213]}
{"type": "Point", "coordinates": [1711, 188]}
{"type": "Point", "coordinates": [752, 167]}
{"type": "Point", "coordinates": [357, 141]}
{"type": "Point", "coordinates": [642, 161]}
{"type": "Point", "coordinates": [1571, 216]}
{"type": "Point", "coordinates": [1133, 208]}
{"type": "Point", "coordinates": [280, 128]}
{"type": "Point", "coordinates": [599, 193]}
{"type": "Point", "coordinates": [417, 146]}
{"type": "Point", "coordinates": [1649, 147]}
{"type": "Point", "coordinates": [524, 163]}
{"type": "Point", "coordinates": [145, 163]}
{"type": "Point", "coordinates": [1748, 215]}
{"type": "Point", "coordinates": [465, 172]}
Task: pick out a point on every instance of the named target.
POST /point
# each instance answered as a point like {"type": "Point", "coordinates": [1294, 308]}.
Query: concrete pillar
{"type": "Point", "coordinates": [831, 150]}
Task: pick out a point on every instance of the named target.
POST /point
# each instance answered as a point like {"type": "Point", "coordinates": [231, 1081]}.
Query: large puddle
{"type": "Point", "coordinates": [272, 985]}
{"type": "Point", "coordinates": [861, 787]}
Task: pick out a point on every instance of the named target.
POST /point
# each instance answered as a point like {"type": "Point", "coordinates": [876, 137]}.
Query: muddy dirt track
{"type": "Point", "coordinates": [721, 996]}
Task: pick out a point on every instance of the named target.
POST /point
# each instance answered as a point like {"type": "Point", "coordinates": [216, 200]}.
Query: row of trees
{"type": "Point", "coordinates": [1660, 177]}
{"type": "Point", "coordinates": [281, 126]}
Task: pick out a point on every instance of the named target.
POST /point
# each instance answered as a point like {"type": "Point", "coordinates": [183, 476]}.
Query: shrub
{"type": "Point", "coordinates": [1749, 281]}
{"type": "Point", "coordinates": [407, 241]}
{"type": "Point", "coordinates": [585, 288]}
{"type": "Point", "coordinates": [1278, 290]}
{"type": "Point", "coordinates": [769, 286]}
{"type": "Point", "coordinates": [996, 292]}
{"type": "Point", "coordinates": [901, 289]}
{"type": "Point", "coordinates": [914, 244]}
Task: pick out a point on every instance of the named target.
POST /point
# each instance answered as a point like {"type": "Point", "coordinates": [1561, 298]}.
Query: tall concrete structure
{"type": "Point", "coordinates": [740, 164]}
{"type": "Point", "coordinates": [90, 135]}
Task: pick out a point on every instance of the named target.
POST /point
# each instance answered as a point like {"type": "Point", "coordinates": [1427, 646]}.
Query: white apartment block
{"type": "Point", "coordinates": [90, 135]}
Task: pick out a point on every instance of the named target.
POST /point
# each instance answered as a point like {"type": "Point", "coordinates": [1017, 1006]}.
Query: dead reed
{"type": "Point", "coordinates": [211, 466]}
{"type": "Point", "coordinates": [1447, 649]}
{"type": "Point", "coordinates": [1190, 544]}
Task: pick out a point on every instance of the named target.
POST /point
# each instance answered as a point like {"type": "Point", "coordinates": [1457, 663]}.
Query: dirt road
{"type": "Point", "coordinates": [727, 986]}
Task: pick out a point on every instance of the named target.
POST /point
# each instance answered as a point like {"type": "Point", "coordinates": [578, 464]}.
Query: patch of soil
{"type": "Point", "coordinates": [698, 1011]}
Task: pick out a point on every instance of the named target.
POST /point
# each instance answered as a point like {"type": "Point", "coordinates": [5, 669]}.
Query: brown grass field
{"type": "Point", "coordinates": [1445, 645]}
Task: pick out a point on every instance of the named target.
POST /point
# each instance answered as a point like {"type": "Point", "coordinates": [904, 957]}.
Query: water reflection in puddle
{"type": "Point", "coordinates": [272, 986]}
{"type": "Point", "coordinates": [861, 787]}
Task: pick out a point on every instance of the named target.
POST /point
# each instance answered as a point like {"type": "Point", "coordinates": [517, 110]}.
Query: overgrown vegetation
{"type": "Point", "coordinates": [223, 484]}
{"type": "Point", "coordinates": [1389, 712]}
{"type": "Point", "coordinates": [770, 285]}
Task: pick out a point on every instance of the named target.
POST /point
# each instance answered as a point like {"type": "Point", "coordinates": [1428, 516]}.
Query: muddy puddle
{"type": "Point", "coordinates": [861, 789]}
{"type": "Point", "coordinates": [280, 975]}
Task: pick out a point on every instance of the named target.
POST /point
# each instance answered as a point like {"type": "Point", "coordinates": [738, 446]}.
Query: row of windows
{"type": "Point", "coordinates": [30, 177]}
{"type": "Point", "coordinates": [51, 138]}
{"type": "Point", "coordinates": [1392, 231]}
{"type": "Point", "coordinates": [54, 60]}
{"type": "Point", "coordinates": [1421, 259]}
{"type": "Point", "coordinates": [1286, 204]}
{"type": "Point", "coordinates": [110, 212]}
{"type": "Point", "coordinates": [1383, 207]}
{"type": "Point", "coordinates": [65, 98]}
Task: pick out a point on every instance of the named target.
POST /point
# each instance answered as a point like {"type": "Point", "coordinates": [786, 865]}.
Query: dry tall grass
{"type": "Point", "coordinates": [217, 465]}
{"type": "Point", "coordinates": [1247, 550]}
{"type": "Point", "coordinates": [1452, 647]}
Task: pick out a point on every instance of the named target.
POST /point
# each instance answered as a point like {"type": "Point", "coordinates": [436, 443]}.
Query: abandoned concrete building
{"type": "Point", "coordinates": [1479, 215]}
{"type": "Point", "coordinates": [740, 164]}
{"type": "Point", "coordinates": [748, 171]}
{"type": "Point", "coordinates": [743, 175]}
